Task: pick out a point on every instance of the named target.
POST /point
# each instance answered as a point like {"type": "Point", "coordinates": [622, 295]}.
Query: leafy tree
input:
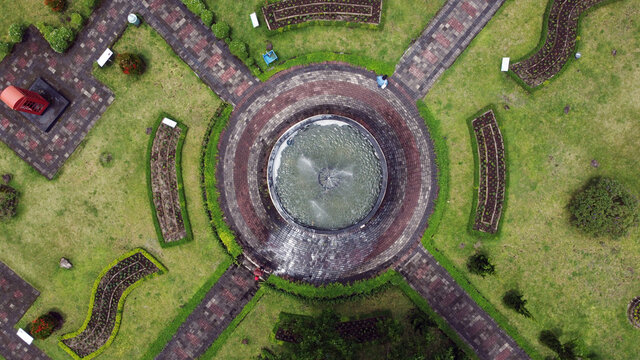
{"type": "Point", "coordinates": [8, 202]}
{"type": "Point", "coordinates": [513, 299]}
{"type": "Point", "coordinates": [479, 264]}
{"type": "Point", "coordinates": [604, 207]}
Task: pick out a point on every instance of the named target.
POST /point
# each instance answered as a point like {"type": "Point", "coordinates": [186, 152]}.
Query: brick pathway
{"type": "Point", "coordinates": [220, 306]}
{"type": "Point", "coordinates": [440, 44]}
{"type": "Point", "coordinates": [450, 301]}
{"type": "Point", "coordinates": [16, 296]}
{"type": "Point", "coordinates": [198, 47]}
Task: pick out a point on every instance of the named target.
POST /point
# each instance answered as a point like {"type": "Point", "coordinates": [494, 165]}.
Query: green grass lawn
{"type": "Point", "coordinates": [92, 214]}
{"type": "Point", "coordinates": [574, 283]}
{"type": "Point", "coordinates": [403, 21]}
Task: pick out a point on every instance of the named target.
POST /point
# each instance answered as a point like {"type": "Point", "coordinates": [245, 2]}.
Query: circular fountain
{"type": "Point", "coordinates": [327, 173]}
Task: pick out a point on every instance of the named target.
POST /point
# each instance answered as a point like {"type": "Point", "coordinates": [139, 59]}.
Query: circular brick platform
{"type": "Point", "coordinates": [289, 97]}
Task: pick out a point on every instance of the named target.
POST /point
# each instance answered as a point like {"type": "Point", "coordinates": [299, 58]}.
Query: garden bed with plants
{"type": "Point", "coordinates": [492, 173]}
{"type": "Point", "coordinates": [561, 25]}
{"type": "Point", "coordinates": [291, 12]}
{"type": "Point", "coordinates": [357, 331]}
{"type": "Point", "coordinates": [633, 312]}
{"type": "Point", "coordinates": [107, 302]}
{"type": "Point", "coordinates": [165, 181]}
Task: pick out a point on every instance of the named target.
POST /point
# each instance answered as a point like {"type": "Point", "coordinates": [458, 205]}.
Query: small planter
{"type": "Point", "coordinates": [633, 312]}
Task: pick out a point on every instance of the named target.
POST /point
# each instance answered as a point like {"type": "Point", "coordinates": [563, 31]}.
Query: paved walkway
{"type": "Point", "coordinates": [450, 301]}
{"type": "Point", "coordinates": [195, 43]}
{"type": "Point", "coordinates": [219, 307]}
{"type": "Point", "coordinates": [444, 39]}
{"type": "Point", "coordinates": [16, 296]}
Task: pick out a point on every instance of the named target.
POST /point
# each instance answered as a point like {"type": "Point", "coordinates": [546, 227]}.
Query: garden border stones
{"type": "Point", "coordinates": [164, 179]}
{"type": "Point", "coordinates": [557, 42]}
{"type": "Point", "coordinates": [491, 173]}
{"type": "Point", "coordinates": [286, 13]}
{"type": "Point", "coordinates": [107, 303]}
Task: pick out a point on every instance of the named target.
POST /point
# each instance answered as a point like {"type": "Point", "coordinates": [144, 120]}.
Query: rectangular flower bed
{"type": "Point", "coordinates": [165, 181]}
{"type": "Point", "coordinates": [291, 12]}
{"type": "Point", "coordinates": [561, 24]}
{"type": "Point", "coordinates": [491, 173]}
{"type": "Point", "coordinates": [107, 301]}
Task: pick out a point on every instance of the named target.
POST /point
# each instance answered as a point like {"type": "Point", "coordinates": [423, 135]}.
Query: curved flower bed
{"type": "Point", "coordinates": [290, 12]}
{"type": "Point", "coordinates": [492, 173]}
{"type": "Point", "coordinates": [633, 312]}
{"type": "Point", "coordinates": [107, 301]}
{"type": "Point", "coordinates": [165, 180]}
{"type": "Point", "coordinates": [562, 26]}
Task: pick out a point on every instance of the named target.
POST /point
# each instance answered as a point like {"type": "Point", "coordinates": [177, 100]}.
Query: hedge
{"type": "Point", "coordinates": [181, 194]}
{"type": "Point", "coordinates": [114, 332]}
{"type": "Point", "coordinates": [208, 180]}
{"type": "Point", "coordinates": [16, 31]}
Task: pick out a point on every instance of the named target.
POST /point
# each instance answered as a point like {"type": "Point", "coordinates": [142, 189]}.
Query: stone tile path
{"type": "Point", "coordinates": [440, 44]}
{"type": "Point", "coordinates": [195, 43]}
{"type": "Point", "coordinates": [220, 306]}
{"type": "Point", "coordinates": [450, 301]}
{"type": "Point", "coordinates": [16, 296]}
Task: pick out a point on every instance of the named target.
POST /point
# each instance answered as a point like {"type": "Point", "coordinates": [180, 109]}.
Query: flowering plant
{"type": "Point", "coordinates": [43, 326]}
{"type": "Point", "coordinates": [131, 64]}
{"type": "Point", "coordinates": [56, 5]}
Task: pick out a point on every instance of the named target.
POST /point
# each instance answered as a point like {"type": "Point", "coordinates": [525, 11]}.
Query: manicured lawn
{"type": "Point", "coordinates": [574, 283]}
{"type": "Point", "coordinates": [258, 324]}
{"type": "Point", "coordinates": [93, 214]}
{"type": "Point", "coordinates": [403, 20]}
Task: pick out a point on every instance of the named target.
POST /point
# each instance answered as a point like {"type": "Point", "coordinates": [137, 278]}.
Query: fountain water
{"type": "Point", "coordinates": [327, 173]}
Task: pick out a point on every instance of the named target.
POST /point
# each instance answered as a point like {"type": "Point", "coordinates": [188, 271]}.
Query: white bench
{"type": "Point", "coordinates": [170, 123]}
{"type": "Point", "coordinates": [254, 20]}
{"type": "Point", "coordinates": [25, 336]}
{"type": "Point", "coordinates": [505, 64]}
{"type": "Point", "coordinates": [106, 55]}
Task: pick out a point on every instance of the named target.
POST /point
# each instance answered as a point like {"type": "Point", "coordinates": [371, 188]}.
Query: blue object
{"type": "Point", "coordinates": [270, 57]}
{"type": "Point", "coordinates": [382, 83]}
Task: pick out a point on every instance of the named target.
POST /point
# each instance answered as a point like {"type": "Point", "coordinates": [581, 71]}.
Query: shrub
{"type": "Point", "coordinates": [5, 48]}
{"type": "Point", "coordinates": [90, 4]}
{"type": "Point", "coordinates": [8, 202]}
{"type": "Point", "coordinates": [604, 207]}
{"type": "Point", "coordinates": [239, 49]}
{"type": "Point", "coordinates": [513, 299]}
{"type": "Point", "coordinates": [207, 17]}
{"type": "Point", "coordinates": [221, 30]}
{"type": "Point", "coordinates": [44, 326]}
{"type": "Point", "coordinates": [195, 6]}
{"type": "Point", "coordinates": [131, 64]}
{"type": "Point", "coordinates": [76, 21]}
{"type": "Point", "coordinates": [16, 31]}
{"type": "Point", "coordinates": [56, 5]}
{"type": "Point", "coordinates": [60, 38]}
{"type": "Point", "coordinates": [479, 264]}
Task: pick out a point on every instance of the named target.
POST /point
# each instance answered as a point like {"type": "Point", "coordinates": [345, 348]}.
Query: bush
{"type": "Point", "coordinates": [131, 64]}
{"type": "Point", "coordinates": [60, 38]}
{"type": "Point", "coordinates": [44, 326]}
{"type": "Point", "coordinates": [513, 299]}
{"type": "Point", "coordinates": [56, 5]}
{"type": "Point", "coordinates": [479, 264]}
{"type": "Point", "coordinates": [239, 49]}
{"type": "Point", "coordinates": [604, 207]}
{"type": "Point", "coordinates": [221, 30]}
{"type": "Point", "coordinates": [76, 21]}
{"type": "Point", "coordinates": [8, 202]}
{"type": "Point", "coordinates": [90, 4]}
{"type": "Point", "coordinates": [16, 31]}
{"type": "Point", "coordinates": [207, 17]}
{"type": "Point", "coordinates": [5, 48]}
{"type": "Point", "coordinates": [195, 6]}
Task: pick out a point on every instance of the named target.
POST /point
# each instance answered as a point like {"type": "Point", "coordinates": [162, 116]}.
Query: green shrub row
{"type": "Point", "coordinates": [185, 310]}
{"type": "Point", "coordinates": [335, 292]}
{"type": "Point", "coordinates": [199, 8]}
{"type": "Point", "coordinates": [114, 332]}
{"type": "Point", "coordinates": [181, 195]}
{"type": "Point", "coordinates": [61, 38]}
{"type": "Point", "coordinates": [208, 181]}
